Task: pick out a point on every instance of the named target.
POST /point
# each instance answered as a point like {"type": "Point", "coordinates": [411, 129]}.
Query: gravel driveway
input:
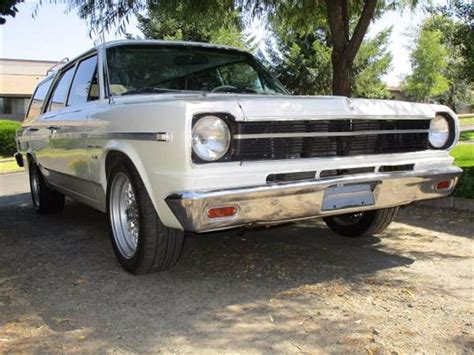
{"type": "Point", "coordinates": [291, 289]}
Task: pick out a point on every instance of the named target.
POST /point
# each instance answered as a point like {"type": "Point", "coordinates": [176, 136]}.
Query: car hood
{"type": "Point", "coordinates": [329, 107]}
{"type": "Point", "coordinates": [287, 107]}
{"type": "Point", "coordinates": [326, 107]}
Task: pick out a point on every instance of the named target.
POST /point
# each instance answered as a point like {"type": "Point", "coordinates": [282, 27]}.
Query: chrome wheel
{"type": "Point", "coordinates": [124, 216]}
{"type": "Point", "coordinates": [35, 185]}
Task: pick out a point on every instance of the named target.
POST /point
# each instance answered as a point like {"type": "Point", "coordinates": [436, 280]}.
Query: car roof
{"type": "Point", "coordinates": [47, 77]}
{"type": "Point", "coordinates": [122, 42]}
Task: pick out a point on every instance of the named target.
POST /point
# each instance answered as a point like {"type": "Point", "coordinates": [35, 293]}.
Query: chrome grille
{"type": "Point", "coordinates": [328, 138]}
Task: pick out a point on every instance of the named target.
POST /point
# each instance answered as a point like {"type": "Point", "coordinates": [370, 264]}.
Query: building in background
{"type": "Point", "coordinates": [18, 79]}
{"type": "Point", "coordinates": [396, 93]}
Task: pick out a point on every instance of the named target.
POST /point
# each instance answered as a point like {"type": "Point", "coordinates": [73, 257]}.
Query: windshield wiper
{"type": "Point", "coordinates": [151, 89]}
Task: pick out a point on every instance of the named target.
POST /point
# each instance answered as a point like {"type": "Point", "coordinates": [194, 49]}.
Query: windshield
{"type": "Point", "coordinates": [135, 69]}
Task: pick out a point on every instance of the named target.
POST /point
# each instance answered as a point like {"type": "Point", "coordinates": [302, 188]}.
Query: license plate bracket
{"type": "Point", "coordinates": [346, 196]}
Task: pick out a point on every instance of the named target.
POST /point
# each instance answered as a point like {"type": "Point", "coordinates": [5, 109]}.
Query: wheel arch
{"type": "Point", "coordinates": [30, 159]}
{"type": "Point", "coordinates": [116, 150]}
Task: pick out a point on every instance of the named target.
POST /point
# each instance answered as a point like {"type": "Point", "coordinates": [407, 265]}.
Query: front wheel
{"type": "Point", "coordinates": [361, 224]}
{"type": "Point", "coordinates": [141, 242]}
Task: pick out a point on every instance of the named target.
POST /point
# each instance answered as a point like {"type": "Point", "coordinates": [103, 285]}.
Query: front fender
{"type": "Point", "coordinates": [131, 150]}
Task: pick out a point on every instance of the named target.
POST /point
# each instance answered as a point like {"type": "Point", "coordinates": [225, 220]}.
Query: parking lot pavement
{"type": "Point", "coordinates": [296, 288]}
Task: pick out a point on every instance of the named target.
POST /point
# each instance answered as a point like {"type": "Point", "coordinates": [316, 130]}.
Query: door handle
{"type": "Point", "coordinates": [53, 129]}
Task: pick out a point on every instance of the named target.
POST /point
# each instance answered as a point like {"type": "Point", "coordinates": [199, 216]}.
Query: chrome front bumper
{"type": "Point", "coordinates": [277, 203]}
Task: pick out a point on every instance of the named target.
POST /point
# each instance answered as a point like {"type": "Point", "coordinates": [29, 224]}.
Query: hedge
{"type": "Point", "coordinates": [8, 130]}
{"type": "Point", "coordinates": [463, 154]}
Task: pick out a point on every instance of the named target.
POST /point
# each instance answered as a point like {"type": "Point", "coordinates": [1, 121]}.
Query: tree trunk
{"type": "Point", "coordinates": [345, 46]}
{"type": "Point", "coordinates": [341, 77]}
{"type": "Point", "coordinates": [451, 99]}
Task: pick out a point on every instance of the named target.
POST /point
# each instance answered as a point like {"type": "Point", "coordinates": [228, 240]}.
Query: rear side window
{"type": "Point", "coordinates": [84, 85]}
{"type": "Point", "coordinates": [38, 98]}
{"type": "Point", "coordinates": [58, 99]}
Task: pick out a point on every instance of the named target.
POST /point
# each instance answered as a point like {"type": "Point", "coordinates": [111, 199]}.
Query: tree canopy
{"type": "Point", "coordinates": [8, 8]}
{"type": "Point", "coordinates": [347, 20]}
{"type": "Point", "coordinates": [458, 33]}
{"type": "Point", "coordinates": [442, 60]}
{"type": "Point", "coordinates": [301, 56]}
{"type": "Point", "coordinates": [371, 62]}
{"type": "Point", "coordinates": [429, 60]}
{"type": "Point", "coordinates": [161, 22]}
{"type": "Point", "coordinates": [299, 52]}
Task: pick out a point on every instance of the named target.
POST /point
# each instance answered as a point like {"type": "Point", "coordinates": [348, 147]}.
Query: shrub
{"type": "Point", "coordinates": [8, 130]}
{"type": "Point", "coordinates": [463, 154]}
{"type": "Point", "coordinates": [465, 186]}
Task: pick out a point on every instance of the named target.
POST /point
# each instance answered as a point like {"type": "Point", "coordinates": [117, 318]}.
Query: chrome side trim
{"type": "Point", "coordinates": [277, 203]}
{"type": "Point", "coordinates": [325, 134]}
{"type": "Point", "coordinates": [136, 136]}
{"type": "Point", "coordinates": [163, 137]}
{"type": "Point", "coordinates": [320, 117]}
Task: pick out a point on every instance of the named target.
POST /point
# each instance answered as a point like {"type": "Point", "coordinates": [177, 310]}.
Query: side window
{"type": "Point", "coordinates": [84, 85]}
{"type": "Point", "coordinates": [38, 98]}
{"type": "Point", "coordinates": [94, 90]}
{"type": "Point", "coordinates": [59, 96]}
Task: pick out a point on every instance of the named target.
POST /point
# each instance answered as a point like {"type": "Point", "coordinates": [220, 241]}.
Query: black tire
{"type": "Point", "coordinates": [158, 247]}
{"type": "Point", "coordinates": [45, 200]}
{"type": "Point", "coordinates": [361, 224]}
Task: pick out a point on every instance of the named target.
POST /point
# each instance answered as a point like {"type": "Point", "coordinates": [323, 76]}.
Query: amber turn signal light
{"type": "Point", "coordinates": [220, 212]}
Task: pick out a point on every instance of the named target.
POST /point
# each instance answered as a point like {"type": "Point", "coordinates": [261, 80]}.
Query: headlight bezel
{"type": "Point", "coordinates": [227, 121]}
{"type": "Point", "coordinates": [451, 131]}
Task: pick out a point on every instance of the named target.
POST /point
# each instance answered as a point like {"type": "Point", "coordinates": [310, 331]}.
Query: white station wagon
{"type": "Point", "coordinates": [175, 137]}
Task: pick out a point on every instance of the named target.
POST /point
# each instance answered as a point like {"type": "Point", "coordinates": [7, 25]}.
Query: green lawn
{"type": "Point", "coordinates": [9, 166]}
{"type": "Point", "coordinates": [463, 154]}
{"type": "Point", "coordinates": [467, 120]}
{"type": "Point", "coordinates": [467, 136]}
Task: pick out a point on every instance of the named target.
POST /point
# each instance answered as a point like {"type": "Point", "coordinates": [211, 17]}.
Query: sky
{"type": "Point", "coordinates": [54, 34]}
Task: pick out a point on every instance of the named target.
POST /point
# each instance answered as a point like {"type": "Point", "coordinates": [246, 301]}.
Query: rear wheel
{"type": "Point", "coordinates": [141, 242]}
{"type": "Point", "coordinates": [45, 200]}
{"type": "Point", "coordinates": [361, 224]}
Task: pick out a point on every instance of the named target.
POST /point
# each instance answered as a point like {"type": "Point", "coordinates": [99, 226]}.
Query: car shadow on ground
{"type": "Point", "coordinates": [63, 265]}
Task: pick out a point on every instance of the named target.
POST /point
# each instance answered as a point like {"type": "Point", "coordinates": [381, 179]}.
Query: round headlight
{"type": "Point", "coordinates": [439, 132]}
{"type": "Point", "coordinates": [211, 138]}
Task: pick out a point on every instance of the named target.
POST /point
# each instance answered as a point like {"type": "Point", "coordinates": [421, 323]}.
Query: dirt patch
{"type": "Point", "coordinates": [293, 289]}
